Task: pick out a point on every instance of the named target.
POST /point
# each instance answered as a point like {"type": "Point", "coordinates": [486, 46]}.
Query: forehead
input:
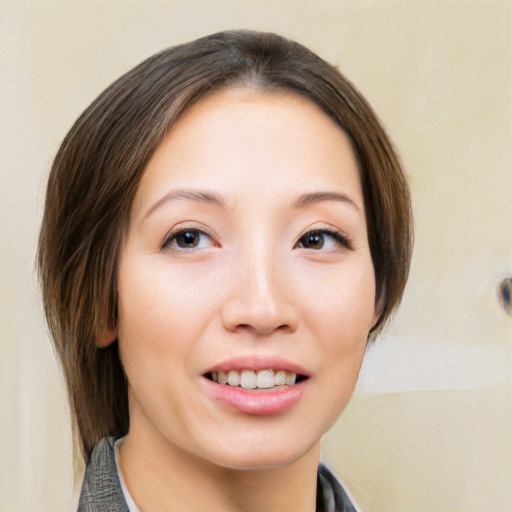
{"type": "Point", "coordinates": [248, 138]}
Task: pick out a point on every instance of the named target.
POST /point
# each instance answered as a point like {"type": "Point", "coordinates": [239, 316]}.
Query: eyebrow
{"type": "Point", "coordinates": [316, 197]}
{"type": "Point", "coordinates": [192, 195]}
{"type": "Point", "coordinates": [201, 196]}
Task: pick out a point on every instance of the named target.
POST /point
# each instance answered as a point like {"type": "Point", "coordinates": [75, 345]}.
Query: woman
{"type": "Point", "coordinates": [225, 228]}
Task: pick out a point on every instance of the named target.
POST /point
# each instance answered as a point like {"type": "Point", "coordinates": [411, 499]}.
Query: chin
{"type": "Point", "coordinates": [262, 456]}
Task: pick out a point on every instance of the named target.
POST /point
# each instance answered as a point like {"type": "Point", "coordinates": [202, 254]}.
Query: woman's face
{"type": "Point", "coordinates": [246, 258]}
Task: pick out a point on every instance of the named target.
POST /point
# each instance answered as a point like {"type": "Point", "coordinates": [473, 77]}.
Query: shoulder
{"type": "Point", "coordinates": [331, 496]}
{"type": "Point", "coordinates": [101, 489]}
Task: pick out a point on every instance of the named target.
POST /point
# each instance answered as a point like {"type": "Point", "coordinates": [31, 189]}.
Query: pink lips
{"type": "Point", "coordinates": [256, 402]}
{"type": "Point", "coordinates": [258, 363]}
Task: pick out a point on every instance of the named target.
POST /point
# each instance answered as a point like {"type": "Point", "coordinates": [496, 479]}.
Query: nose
{"type": "Point", "coordinates": [260, 298]}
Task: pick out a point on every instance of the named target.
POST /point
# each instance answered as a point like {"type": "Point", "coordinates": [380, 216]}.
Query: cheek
{"type": "Point", "coordinates": [156, 336]}
{"type": "Point", "coordinates": [342, 337]}
{"type": "Point", "coordinates": [341, 305]}
{"type": "Point", "coordinates": [145, 315]}
{"type": "Point", "coordinates": [161, 311]}
{"type": "Point", "coordinates": [342, 316]}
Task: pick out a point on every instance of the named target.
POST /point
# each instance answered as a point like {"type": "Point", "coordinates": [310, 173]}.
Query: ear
{"type": "Point", "coordinates": [379, 306]}
{"type": "Point", "coordinates": [106, 337]}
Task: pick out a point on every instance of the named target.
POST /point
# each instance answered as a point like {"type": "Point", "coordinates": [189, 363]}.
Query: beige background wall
{"type": "Point", "coordinates": [430, 427]}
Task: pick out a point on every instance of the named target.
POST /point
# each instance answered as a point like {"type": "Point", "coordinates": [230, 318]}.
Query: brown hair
{"type": "Point", "coordinates": [98, 167]}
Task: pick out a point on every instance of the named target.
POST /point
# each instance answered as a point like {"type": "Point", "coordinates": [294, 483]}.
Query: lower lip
{"type": "Point", "coordinates": [258, 403]}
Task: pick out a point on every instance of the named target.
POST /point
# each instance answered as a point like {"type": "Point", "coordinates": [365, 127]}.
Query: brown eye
{"type": "Point", "coordinates": [323, 239]}
{"type": "Point", "coordinates": [188, 239]}
{"type": "Point", "coordinates": [312, 241]}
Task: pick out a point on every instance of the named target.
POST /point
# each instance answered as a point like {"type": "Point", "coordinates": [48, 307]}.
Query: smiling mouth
{"type": "Point", "coordinates": [256, 379]}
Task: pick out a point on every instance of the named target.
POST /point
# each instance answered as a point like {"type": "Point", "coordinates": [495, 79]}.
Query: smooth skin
{"type": "Point", "coordinates": [247, 238]}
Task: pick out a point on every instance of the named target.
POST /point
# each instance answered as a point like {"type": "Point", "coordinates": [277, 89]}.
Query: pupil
{"type": "Point", "coordinates": [188, 239]}
{"type": "Point", "coordinates": [315, 240]}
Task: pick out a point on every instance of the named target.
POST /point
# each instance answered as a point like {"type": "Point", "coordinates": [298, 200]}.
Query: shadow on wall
{"type": "Point", "coordinates": [429, 423]}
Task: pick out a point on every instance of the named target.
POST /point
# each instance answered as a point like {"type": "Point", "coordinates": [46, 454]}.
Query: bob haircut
{"type": "Point", "coordinates": [99, 165]}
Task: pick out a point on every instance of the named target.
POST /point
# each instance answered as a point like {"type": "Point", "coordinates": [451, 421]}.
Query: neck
{"type": "Point", "coordinates": [160, 476]}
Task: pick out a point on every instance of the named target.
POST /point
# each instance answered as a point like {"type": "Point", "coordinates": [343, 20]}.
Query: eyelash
{"type": "Point", "coordinates": [339, 237]}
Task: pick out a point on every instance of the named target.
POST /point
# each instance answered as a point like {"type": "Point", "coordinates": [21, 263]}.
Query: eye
{"type": "Point", "coordinates": [322, 239]}
{"type": "Point", "coordinates": [188, 239]}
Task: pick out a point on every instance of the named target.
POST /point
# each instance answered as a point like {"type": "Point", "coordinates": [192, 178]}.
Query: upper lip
{"type": "Point", "coordinates": [258, 363]}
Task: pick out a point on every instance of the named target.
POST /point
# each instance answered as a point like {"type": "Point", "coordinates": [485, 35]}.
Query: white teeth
{"type": "Point", "coordinates": [248, 379]}
{"type": "Point", "coordinates": [251, 379]}
{"type": "Point", "coordinates": [233, 378]}
{"type": "Point", "coordinates": [290, 378]}
{"type": "Point", "coordinates": [280, 378]}
{"type": "Point", "coordinates": [265, 379]}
